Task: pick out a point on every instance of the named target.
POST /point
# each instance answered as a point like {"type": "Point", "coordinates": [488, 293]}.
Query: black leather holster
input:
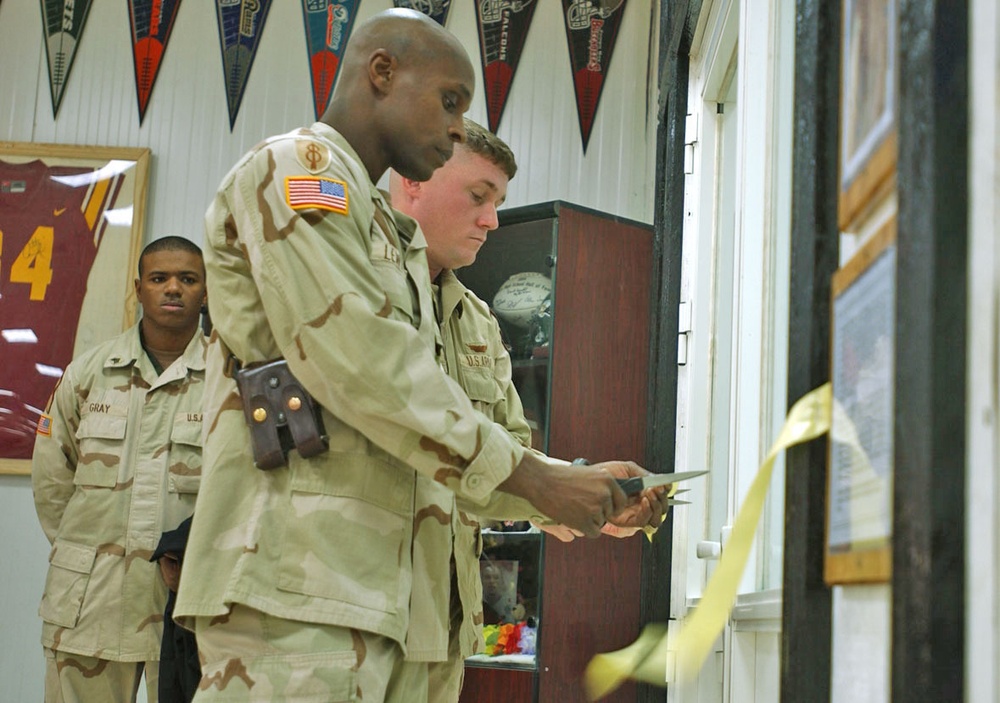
{"type": "Point", "coordinates": [280, 413]}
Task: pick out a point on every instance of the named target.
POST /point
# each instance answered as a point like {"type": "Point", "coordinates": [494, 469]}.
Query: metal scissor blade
{"type": "Point", "coordinates": [637, 484]}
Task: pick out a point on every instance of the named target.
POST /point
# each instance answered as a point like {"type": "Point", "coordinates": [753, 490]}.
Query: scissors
{"type": "Point", "coordinates": [637, 484]}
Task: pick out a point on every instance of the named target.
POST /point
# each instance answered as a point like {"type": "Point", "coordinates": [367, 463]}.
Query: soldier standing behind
{"type": "Point", "coordinates": [117, 461]}
{"type": "Point", "coordinates": [456, 209]}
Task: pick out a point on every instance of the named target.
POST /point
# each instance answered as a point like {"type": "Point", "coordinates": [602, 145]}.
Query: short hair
{"type": "Point", "coordinates": [170, 243]}
{"type": "Point", "coordinates": [482, 141]}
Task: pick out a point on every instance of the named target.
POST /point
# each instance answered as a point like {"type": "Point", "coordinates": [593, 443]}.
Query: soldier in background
{"type": "Point", "coordinates": [456, 209]}
{"type": "Point", "coordinates": [117, 461]}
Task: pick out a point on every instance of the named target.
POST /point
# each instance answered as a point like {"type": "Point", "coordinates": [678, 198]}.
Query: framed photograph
{"type": "Point", "coordinates": [499, 577]}
{"type": "Point", "coordinates": [71, 220]}
{"type": "Point", "coordinates": [859, 491]}
{"type": "Point", "coordinates": [868, 118]}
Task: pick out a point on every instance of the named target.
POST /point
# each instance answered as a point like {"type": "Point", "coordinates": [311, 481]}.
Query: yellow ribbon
{"type": "Point", "coordinates": [645, 660]}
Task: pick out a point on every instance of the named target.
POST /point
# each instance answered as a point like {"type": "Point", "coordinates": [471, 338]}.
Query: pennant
{"type": "Point", "coordinates": [62, 22]}
{"type": "Point", "coordinates": [151, 22]}
{"type": "Point", "coordinates": [241, 23]}
{"type": "Point", "coordinates": [328, 25]}
{"type": "Point", "coordinates": [591, 31]}
{"type": "Point", "coordinates": [503, 27]}
{"type": "Point", "coordinates": [437, 10]}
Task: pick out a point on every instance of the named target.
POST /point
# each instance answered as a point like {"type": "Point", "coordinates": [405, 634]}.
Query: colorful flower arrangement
{"type": "Point", "coordinates": [508, 638]}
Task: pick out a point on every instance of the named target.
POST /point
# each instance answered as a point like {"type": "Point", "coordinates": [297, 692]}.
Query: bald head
{"type": "Point", "coordinates": [411, 36]}
{"type": "Point", "coordinates": [403, 87]}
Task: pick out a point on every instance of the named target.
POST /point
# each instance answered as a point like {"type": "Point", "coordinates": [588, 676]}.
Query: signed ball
{"type": "Point", "coordinates": [520, 296]}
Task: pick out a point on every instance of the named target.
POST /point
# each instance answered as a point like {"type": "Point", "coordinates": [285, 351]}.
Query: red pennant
{"type": "Point", "coordinates": [591, 31]}
{"type": "Point", "coordinates": [151, 22]}
{"type": "Point", "coordinates": [328, 26]}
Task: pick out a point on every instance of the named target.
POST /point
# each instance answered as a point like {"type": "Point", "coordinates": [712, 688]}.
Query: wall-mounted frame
{"type": "Point", "coordinates": [71, 220]}
{"type": "Point", "coordinates": [868, 112]}
{"type": "Point", "coordinates": [860, 476]}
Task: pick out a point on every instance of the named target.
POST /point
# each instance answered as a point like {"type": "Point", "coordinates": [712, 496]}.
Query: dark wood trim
{"type": "Point", "coordinates": [677, 21]}
{"type": "Point", "coordinates": [591, 589]}
{"type": "Point", "coordinates": [552, 208]}
{"type": "Point", "coordinates": [928, 594]}
{"type": "Point", "coordinates": [806, 607]}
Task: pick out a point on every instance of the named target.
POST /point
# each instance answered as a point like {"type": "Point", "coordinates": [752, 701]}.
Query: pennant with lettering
{"type": "Point", "coordinates": [437, 10]}
{"type": "Point", "coordinates": [241, 24]}
{"type": "Point", "coordinates": [62, 23]}
{"type": "Point", "coordinates": [151, 22]}
{"type": "Point", "coordinates": [591, 31]}
{"type": "Point", "coordinates": [328, 25]}
{"type": "Point", "coordinates": [503, 27]}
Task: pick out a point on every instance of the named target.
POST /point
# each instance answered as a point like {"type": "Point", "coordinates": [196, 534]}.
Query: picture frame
{"type": "Point", "coordinates": [71, 228]}
{"type": "Point", "coordinates": [500, 594]}
{"type": "Point", "coordinates": [858, 545]}
{"type": "Point", "coordinates": [868, 149]}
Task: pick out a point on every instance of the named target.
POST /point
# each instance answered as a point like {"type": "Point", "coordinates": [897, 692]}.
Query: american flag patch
{"type": "Point", "coordinates": [316, 192]}
{"type": "Point", "coordinates": [44, 425]}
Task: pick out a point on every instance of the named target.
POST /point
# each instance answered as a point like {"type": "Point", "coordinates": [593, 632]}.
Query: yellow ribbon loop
{"type": "Point", "coordinates": [645, 660]}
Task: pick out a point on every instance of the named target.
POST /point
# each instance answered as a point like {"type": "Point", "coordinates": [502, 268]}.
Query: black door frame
{"type": "Point", "coordinates": [929, 569]}
{"type": "Point", "coordinates": [806, 601]}
{"type": "Point", "coordinates": [677, 22]}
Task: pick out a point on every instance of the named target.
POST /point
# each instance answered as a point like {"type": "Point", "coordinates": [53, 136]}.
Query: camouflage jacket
{"type": "Point", "coordinates": [477, 359]}
{"type": "Point", "coordinates": [306, 261]}
{"type": "Point", "coordinates": [117, 461]}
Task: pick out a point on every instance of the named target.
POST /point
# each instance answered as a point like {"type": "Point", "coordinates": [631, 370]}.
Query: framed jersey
{"type": "Point", "coordinates": [71, 222]}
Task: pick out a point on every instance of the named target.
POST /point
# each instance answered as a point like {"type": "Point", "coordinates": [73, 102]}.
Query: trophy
{"type": "Point", "coordinates": [524, 302]}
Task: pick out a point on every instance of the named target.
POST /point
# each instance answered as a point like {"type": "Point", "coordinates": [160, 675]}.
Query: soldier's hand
{"type": "Point", "coordinates": [560, 532]}
{"type": "Point", "coordinates": [581, 498]}
{"type": "Point", "coordinates": [643, 510]}
{"type": "Point", "coordinates": [170, 568]}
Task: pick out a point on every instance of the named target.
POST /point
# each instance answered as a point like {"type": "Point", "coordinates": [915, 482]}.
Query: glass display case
{"type": "Point", "coordinates": [570, 289]}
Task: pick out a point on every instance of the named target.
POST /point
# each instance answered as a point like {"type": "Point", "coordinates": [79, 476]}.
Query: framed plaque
{"type": "Point", "coordinates": [859, 495]}
{"type": "Point", "coordinates": [867, 96]}
{"type": "Point", "coordinates": [70, 233]}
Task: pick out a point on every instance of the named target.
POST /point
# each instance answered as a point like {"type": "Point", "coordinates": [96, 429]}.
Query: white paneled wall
{"type": "Point", "coordinates": [187, 129]}
{"type": "Point", "coordinates": [187, 123]}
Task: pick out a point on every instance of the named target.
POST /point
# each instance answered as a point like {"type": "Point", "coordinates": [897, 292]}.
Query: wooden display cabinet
{"type": "Point", "coordinates": [582, 376]}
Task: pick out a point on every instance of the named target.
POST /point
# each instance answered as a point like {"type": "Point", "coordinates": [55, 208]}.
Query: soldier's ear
{"type": "Point", "coordinates": [412, 188]}
{"type": "Point", "coordinates": [381, 68]}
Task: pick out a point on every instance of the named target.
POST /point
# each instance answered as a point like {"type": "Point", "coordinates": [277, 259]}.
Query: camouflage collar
{"type": "Point", "coordinates": [127, 349]}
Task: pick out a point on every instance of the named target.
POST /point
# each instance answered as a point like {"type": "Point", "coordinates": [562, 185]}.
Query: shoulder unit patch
{"type": "Point", "coordinates": [313, 156]}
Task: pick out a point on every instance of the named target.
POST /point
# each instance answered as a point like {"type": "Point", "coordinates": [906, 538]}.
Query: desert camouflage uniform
{"type": "Point", "coordinates": [475, 356]}
{"type": "Point", "coordinates": [118, 463]}
{"type": "Point", "coordinates": [359, 537]}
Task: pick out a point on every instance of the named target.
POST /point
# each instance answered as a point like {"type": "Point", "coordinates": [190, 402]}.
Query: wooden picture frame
{"type": "Point", "coordinates": [860, 458]}
{"type": "Point", "coordinates": [71, 226]}
{"type": "Point", "coordinates": [868, 106]}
